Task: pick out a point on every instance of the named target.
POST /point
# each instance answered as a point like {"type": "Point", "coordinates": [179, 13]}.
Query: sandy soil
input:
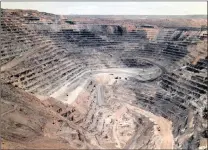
{"type": "Point", "coordinates": [164, 125]}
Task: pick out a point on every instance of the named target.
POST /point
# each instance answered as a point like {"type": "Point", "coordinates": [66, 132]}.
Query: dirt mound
{"type": "Point", "coordinates": [26, 122]}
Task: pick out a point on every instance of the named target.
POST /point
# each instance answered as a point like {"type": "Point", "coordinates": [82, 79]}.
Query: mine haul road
{"type": "Point", "coordinates": [88, 75]}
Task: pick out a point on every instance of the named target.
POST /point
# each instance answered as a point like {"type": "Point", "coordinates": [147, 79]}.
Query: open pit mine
{"type": "Point", "coordinates": [94, 82]}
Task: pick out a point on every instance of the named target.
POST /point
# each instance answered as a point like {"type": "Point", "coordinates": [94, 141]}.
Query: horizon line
{"type": "Point", "coordinates": [108, 14]}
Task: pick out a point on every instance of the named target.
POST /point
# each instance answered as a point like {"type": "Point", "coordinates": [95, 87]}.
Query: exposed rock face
{"type": "Point", "coordinates": [102, 82]}
{"type": "Point", "coordinates": [104, 29]}
{"type": "Point", "coordinates": [26, 122]}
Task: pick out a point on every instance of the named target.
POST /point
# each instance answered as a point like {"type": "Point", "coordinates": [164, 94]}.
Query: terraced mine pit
{"type": "Point", "coordinates": [76, 83]}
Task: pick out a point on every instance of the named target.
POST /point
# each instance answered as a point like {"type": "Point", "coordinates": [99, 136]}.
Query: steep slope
{"type": "Point", "coordinates": [26, 122]}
